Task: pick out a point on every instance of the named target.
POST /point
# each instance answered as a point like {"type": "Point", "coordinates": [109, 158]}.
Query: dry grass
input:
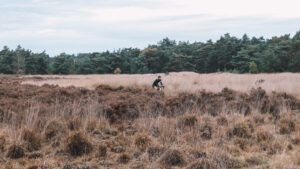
{"type": "Point", "coordinates": [53, 127]}
{"type": "Point", "coordinates": [181, 82]}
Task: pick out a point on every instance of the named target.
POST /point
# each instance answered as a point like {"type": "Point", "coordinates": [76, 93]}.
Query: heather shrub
{"type": "Point", "coordinates": [172, 158]}
{"type": "Point", "coordinates": [15, 151]}
{"type": "Point", "coordinates": [77, 144]}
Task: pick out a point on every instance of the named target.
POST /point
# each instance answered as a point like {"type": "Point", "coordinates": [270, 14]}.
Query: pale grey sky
{"type": "Point", "coordinates": [75, 26]}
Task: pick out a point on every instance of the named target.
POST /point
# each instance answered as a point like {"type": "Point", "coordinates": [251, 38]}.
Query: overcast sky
{"type": "Point", "coordinates": [75, 26]}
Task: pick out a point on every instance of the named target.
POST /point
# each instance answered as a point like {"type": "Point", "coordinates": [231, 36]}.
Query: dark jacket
{"type": "Point", "coordinates": [157, 83]}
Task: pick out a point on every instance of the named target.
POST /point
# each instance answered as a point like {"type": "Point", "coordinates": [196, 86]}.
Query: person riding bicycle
{"type": "Point", "coordinates": [157, 84]}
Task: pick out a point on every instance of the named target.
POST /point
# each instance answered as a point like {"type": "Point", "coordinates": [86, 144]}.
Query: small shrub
{"type": "Point", "coordinates": [155, 131]}
{"type": "Point", "coordinates": [33, 167]}
{"type": "Point", "coordinates": [241, 130]}
{"type": "Point", "coordinates": [2, 143]}
{"type": "Point", "coordinates": [124, 158]}
{"type": "Point", "coordinates": [253, 67]}
{"type": "Point", "coordinates": [222, 121]}
{"type": "Point", "coordinates": [91, 125]}
{"type": "Point", "coordinates": [287, 126]}
{"type": "Point", "coordinates": [275, 148]}
{"type": "Point", "coordinates": [290, 147]}
{"type": "Point", "coordinates": [271, 147]}
{"type": "Point", "coordinates": [78, 144]}
{"type": "Point", "coordinates": [242, 143]}
{"type": "Point", "coordinates": [172, 158]}
{"type": "Point", "coordinates": [68, 166]}
{"type": "Point", "coordinates": [102, 150]}
{"type": "Point", "coordinates": [254, 160]}
{"type": "Point", "coordinates": [74, 124]}
{"type": "Point", "coordinates": [142, 142]}
{"type": "Point", "coordinates": [199, 154]}
{"type": "Point", "coordinates": [206, 132]}
{"type": "Point", "coordinates": [262, 136]}
{"type": "Point", "coordinates": [296, 158]}
{"type": "Point", "coordinates": [154, 152]}
{"type": "Point", "coordinates": [296, 139]}
{"type": "Point", "coordinates": [33, 140]}
{"type": "Point", "coordinates": [187, 121]}
{"type": "Point", "coordinates": [259, 119]}
{"type": "Point", "coordinates": [15, 152]}
{"type": "Point", "coordinates": [34, 155]}
{"type": "Point", "coordinates": [203, 164]}
{"type": "Point", "coordinates": [53, 129]}
{"type": "Point", "coordinates": [110, 131]}
{"type": "Point", "coordinates": [225, 161]}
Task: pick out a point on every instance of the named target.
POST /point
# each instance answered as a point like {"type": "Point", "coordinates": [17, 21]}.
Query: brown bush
{"type": "Point", "coordinates": [206, 131]}
{"type": "Point", "coordinates": [289, 147]}
{"type": "Point", "coordinates": [15, 152]}
{"type": "Point", "coordinates": [296, 158]}
{"type": "Point", "coordinates": [242, 143]}
{"type": "Point", "coordinates": [199, 154]}
{"type": "Point", "coordinates": [32, 140]}
{"type": "Point", "coordinates": [254, 160]}
{"type": "Point", "coordinates": [296, 139]}
{"type": "Point", "coordinates": [33, 167]}
{"type": "Point", "coordinates": [187, 121]}
{"type": "Point", "coordinates": [262, 136]}
{"type": "Point", "coordinates": [54, 128]}
{"type": "Point", "coordinates": [91, 125]}
{"type": "Point", "coordinates": [154, 152]}
{"type": "Point", "coordinates": [272, 147]}
{"type": "Point", "coordinates": [124, 158]}
{"type": "Point", "coordinates": [222, 121]}
{"type": "Point", "coordinates": [226, 161]}
{"type": "Point", "coordinates": [102, 150]}
{"type": "Point", "coordinates": [241, 130]}
{"type": "Point", "coordinates": [5, 116]}
{"type": "Point", "coordinates": [203, 164]}
{"type": "Point", "coordinates": [2, 142]}
{"type": "Point", "coordinates": [35, 155]}
{"type": "Point", "coordinates": [142, 141]}
{"type": "Point", "coordinates": [260, 99]}
{"type": "Point", "coordinates": [172, 158]}
{"type": "Point", "coordinates": [110, 131]}
{"type": "Point", "coordinates": [75, 124]}
{"type": "Point", "coordinates": [287, 126]}
{"type": "Point", "coordinates": [259, 119]}
{"type": "Point", "coordinates": [123, 110]}
{"type": "Point", "coordinates": [275, 148]}
{"type": "Point", "coordinates": [80, 166]}
{"type": "Point", "coordinates": [77, 144]}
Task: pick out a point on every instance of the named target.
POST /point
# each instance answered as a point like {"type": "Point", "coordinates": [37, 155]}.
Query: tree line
{"type": "Point", "coordinates": [227, 54]}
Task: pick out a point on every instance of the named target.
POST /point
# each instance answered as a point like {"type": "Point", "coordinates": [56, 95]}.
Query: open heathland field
{"type": "Point", "coordinates": [200, 121]}
{"type": "Point", "coordinates": [180, 82]}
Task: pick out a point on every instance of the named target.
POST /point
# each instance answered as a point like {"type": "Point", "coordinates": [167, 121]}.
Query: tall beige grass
{"type": "Point", "coordinates": [182, 82]}
{"type": "Point", "coordinates": [221, 138]}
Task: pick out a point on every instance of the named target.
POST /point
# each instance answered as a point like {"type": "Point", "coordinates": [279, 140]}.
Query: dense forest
{"type": "Point", "coordinates": [227, 54]}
